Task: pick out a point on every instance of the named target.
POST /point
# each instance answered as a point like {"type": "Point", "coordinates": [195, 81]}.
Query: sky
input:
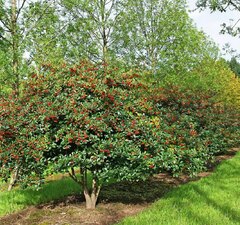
{"type": "Point", "coordinates": [210, 23]}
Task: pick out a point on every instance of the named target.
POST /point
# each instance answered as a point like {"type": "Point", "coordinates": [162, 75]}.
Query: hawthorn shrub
{"type": "Point", "coordinates": [198, 127]}
{"type": "Point", "coordinates": [98, 123]}
{"type": "Point", "coordinates": [83, 117]}
{"type": "Point", "coordinates": [22, 142]}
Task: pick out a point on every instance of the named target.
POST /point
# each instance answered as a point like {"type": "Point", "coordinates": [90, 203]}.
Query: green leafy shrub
{"type": "Point", "coordinates": [81, 117]}
{"type": "Point", "coordinates": [196, 128]}
{"type": "Point", "coordinates": [106, 123]}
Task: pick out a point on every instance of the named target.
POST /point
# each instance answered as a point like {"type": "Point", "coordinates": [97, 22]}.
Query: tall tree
{"type": "Point", "coordinates": [160, 36]}
{"type": "Point", "coordinates": [155, 34]}
{"type": "Point", "coordinates": [27, 27]}
{"type": "Point", "coordinates": [43, 29]}
{"type": "Point", "coordinates": [91, 27]}
{"type": "Point", "coordinates": [10, 37]}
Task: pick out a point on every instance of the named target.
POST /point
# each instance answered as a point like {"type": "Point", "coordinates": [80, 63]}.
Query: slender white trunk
{"type": "Point", "coordinates": [15, 71]}
{"type": "Point", "coordinates": [14, 178]}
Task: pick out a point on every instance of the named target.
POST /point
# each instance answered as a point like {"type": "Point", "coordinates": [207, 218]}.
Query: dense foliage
{"type": "Point", "coordinates": [85, 118]}
{"type": "Point", "coordinates": [235, 66]}
{"type": "Point", "coordinates": [217, 77]}
{"type": "Point", "coordinates": [106, 122]}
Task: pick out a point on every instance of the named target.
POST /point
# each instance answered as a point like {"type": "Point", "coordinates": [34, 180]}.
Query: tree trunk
{"type": "Point", "coordinates": [15, 58]}
{"type": "Point", "coordinates": [91, 196]}
{"type": "Point", "coordinates": [14, 178]}
{"type": "Point", "coordinates": [91, 200]}
{"type": "Point", "coordinates": [15, 71]}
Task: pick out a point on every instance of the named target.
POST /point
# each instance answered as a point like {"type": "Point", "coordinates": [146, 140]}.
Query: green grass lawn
{"type": "Point", "coordinates": [213, 200]}
{"type": "Point", "coordinates": [19, 199]}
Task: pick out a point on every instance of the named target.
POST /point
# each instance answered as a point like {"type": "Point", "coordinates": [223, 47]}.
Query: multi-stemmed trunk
{"type": "Point", "coordinates": [91, 196]}
{"type": "Point", "coordinates": [90, 193]}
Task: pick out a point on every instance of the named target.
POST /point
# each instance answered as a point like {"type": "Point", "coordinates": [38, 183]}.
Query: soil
{"type": "Point", "coordinates": [115, 202]}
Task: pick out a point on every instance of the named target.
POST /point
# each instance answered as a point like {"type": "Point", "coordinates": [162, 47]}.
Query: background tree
{"type": "Point", "coordinates": [222, 6]}
{"type": "Point", "coordinates": [91, 25]}
{"type": "Point", "coordinates": [158, 35]}
{"type": "Point", "coordinates": [235, 66]}
{"type": "Point", "coordinates": [27, 29]}
{"type": "Point", "coordinates": [10, 38]}
{"type": "Point", "coordinates": [136, 33]}
{"type": "Point", "coordinates": [43, 31]}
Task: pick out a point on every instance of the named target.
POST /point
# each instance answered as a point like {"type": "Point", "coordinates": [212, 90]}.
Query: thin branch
{"type": "Point", "coordinates": [20, 9]}
{"type": "Point", "coordinates": [234, 5]}
{"type": "Point", "coordinates": [74, 177]}
{"type": "Point", "coordinates": [5, 39]}
{"type": "Point", "coordinates": [5, 25]}
{"type": "Point", "coordinates": [236, 23]}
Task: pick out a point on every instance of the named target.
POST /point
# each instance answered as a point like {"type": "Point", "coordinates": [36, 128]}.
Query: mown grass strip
{"type": "Point", "coordinates": [213, 200]}
{"type": "Point", "coordinates": [18, 199]}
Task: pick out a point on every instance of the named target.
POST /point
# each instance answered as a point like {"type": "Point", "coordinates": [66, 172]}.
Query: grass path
{"type": "Point", "coordinates": [213, 200]}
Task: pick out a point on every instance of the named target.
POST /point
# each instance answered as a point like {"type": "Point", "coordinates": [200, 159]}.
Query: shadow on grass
{"type": "Point", "coordinates": [65, 192]}
{"type": "Point", "coordinates": [213, 200]}
{"type": "Point", "coordinates": [120, 192]}
{"type": "Point", "coordinates": [223, 209]}
{"type": "Point", "coordinates": [134, 192]}
{"type": "Point", "coordinates": [55, 192]}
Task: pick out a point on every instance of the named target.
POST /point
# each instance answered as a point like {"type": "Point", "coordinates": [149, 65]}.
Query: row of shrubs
{"type": "Point", "coordinates": [110, 123]}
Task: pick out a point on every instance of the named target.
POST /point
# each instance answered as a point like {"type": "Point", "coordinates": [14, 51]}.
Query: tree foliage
{"type": "Point", "coordinates": [126, 32]}
{"type": "Point", "coordinates": [222, 6]}
{"type": "Point", "coordinates": [91, 25]}
{"type": "Point", "coordinates": [159, 36]}
{"type": "Point", "coordinates": [26, 31]}
{"type": "Point", "coordinates": [85, 119]}
{"type": "Point", "coordinates": [235, 66]}
{"type": "Point", "coordinates": [135, 33]}
{"type": "Point", "coordinates": [217, 77]}
{"type": "Point", "coordinates": [43, 32]}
